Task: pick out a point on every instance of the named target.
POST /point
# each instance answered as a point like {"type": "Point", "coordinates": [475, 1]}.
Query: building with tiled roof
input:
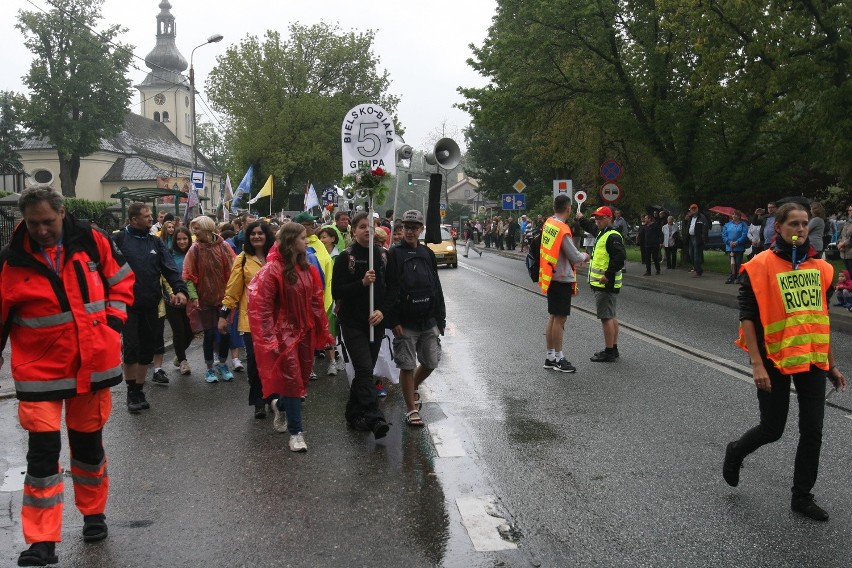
{"type": "Point", "coordinates": [155, 143]}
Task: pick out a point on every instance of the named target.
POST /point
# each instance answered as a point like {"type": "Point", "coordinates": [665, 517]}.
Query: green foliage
{"type": "Point", "coordinates": [85, 209]}
{"type": "Point", "coordinates": [79, 90]}
{"type": "Point", "coordinates": [211, 143]}
{"type": "Point", "coordinates": [11, 137]}
{"type": "Point", "coordinates": [378, 182]}
{"type": "Point", "coordinates": [455, 210]}
{"type": "Point", "coordinates": [285, 99]}
{"type": "Point", "coordinates": [727, 102]}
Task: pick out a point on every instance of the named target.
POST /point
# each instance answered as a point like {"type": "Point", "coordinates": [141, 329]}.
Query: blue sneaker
{"type": "Point", "coordinates": [211, 376]}
{"type": "Point", "coordinates": [226, 373]}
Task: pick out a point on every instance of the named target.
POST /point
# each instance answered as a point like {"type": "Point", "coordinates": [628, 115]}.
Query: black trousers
{"type": "Point", "coordinates": [255, 397]}
{"type": "Point", "coordinates": [650, 254]}
{"type": "Point", "coordinates": [774, 405]}
{"type": "Point", "coordinates": [363, 353]}
{"type": "Point", "coordinates": [671, 257]}
{"type": "Point", "coordinates": [181, 331]}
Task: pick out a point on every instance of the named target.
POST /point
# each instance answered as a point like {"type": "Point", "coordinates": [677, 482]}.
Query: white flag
{"type": "Point", "coordinates": [311, 199]}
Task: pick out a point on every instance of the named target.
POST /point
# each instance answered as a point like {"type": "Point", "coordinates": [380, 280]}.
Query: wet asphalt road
{"type": "Point", "coordinates": [618, 465]}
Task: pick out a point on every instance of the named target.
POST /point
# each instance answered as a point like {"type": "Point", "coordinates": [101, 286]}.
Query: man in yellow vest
{"type": "Point", "coordinates": [557, 279]}
{"type": "Point", "coordinates": [605, 276]}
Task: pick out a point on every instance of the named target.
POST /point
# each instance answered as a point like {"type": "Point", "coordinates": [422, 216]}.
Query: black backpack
{"type": "Point", "coordinates": [418, 284]}
{"type": "Point", "coordinates": [534, 256]}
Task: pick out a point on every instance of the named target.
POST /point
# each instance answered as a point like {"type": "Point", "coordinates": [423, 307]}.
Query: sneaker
{"type": "Point", "coordinates": [341, 364]}
{"type": "Point", "coordinates": [564, 366]}
{"type": "Point", "coordinates": [260, 411]}
{"type": "Point", "coordinates": [211, 376]}
{"type": "Point", "coordinates": [226, 373]}
{"type": "Point", "coordinates": [237, 365]}
{"type": "Point", "coordinates": [184, 368]}
{"type": "Point", "coordinates": [380, 390]}
{"type": "Point", "coordinates": [380, 429]}
{"type": "Point", "coordinates": [94, 528]}
{"type": "Point", "coordinates": [603, 357]}
{"type": "Point", "coordinates": [332, 368]}
{"type": "Point", "coordinates": [133, 404]}
{"type": "Point", "coordinates": [140, 394]}
{"type": "Point", "coordinates": [297, 443]}
{"type": "Point", "coordinates": [320, 354]}
{"type": "Point", "coordinates": [731, 466]}
{"type": "Point", "coordinates": [614, 354]}
{"type": "Point", "coordinates": [804, 505]}
{"type": "Point", "coordinates": [279, 424]}
{"type": "Point", "coordinates": [176, 361]}
{"type": "Point", "coordinates": [549, 363]}
{"type": "Point", "coordinates": [160, 377]}
{"type": "Point", "coordinates": [313, 376]}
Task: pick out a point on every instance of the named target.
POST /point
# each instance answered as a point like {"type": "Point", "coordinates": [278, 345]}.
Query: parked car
{"type": "Point", "coordinates": [445, 251]}
{"type": "Point", "coordinates": [832, 252]}
{"type": "Point", "coordinates": [714, 237]}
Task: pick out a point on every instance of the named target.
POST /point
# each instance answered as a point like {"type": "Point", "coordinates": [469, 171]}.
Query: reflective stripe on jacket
{"type": "Point", "coordinates": [793, 311]}
{"type": "Point", "coordinates": [552, 234]}
{"type": "Point", "coordinates": [63, 327]}
{"type": "Point", "coordinates": [600, 261]}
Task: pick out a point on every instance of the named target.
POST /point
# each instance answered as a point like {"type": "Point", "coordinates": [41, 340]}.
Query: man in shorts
{"type": "Point", "coordinates": [415, 312]}
{"type": "Point", "coordinates": [557, 279]}
{"type": "Point", "coordinates": [605, 277]}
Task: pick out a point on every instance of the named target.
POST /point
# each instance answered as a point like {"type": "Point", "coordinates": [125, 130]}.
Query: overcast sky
{"type": "Point", "coordinates": [423, 45]}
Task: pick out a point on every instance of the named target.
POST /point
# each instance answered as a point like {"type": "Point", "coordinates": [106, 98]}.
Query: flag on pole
{"type": "Point", "coordinates": [311, 197]}
{"type": "Point", "coordinates": [191, 201]}
{"type": "Point", "coordinates": [244, 187]}
{"type": "Point", "coordinates": [227, 197]}
{"type": "Point", "coordinates": [265, 191]}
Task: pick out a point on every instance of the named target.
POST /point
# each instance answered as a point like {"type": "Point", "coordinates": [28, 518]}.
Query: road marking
{"type": "Point", "coordinates": [483, 523]}
{"type": "Point", "coordinates": [446, 441]}
{"type": "Point", "coordinates": [13, 479]}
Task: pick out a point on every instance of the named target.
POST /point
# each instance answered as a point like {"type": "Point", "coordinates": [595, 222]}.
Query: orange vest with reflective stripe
{"type": "Point", "coordinates": [552, 234]}
{"type": "Point", "coordinates": [793, 311]}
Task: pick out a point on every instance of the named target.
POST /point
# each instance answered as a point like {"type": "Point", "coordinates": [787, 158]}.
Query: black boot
{"type": "Point", "coordinates": [94, 528]}
{"type": "Point", "coordinates": [133, 403]}
{"type": "Point", "coordinates": [732, 465]}
{"type": "Point", "coordinates": [804, 505]}
{"type": "Point", "coordinates": [39, 554]}
{"type": "Point", "coordinates": [141, 395]}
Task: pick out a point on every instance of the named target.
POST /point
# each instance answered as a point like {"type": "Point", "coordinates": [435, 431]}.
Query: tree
{"type": "Point", "coordinates": [79, 90]}
{"type": "Point", "coordinates": [11, 137]}
{"type": "Point", "coordinates": [724, 99]}
{"type": "Point", "coordinates": [210, 142]}
{"type": "Point", "coordinates": [285, 100]}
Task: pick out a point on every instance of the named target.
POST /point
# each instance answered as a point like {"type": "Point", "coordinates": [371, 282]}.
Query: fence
{"type": "Point", "coordinates": [11, 216]}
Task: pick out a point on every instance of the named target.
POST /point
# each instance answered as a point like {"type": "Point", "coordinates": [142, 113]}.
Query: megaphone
{"type": "Point", "coordinates": [403, 150]}
{"type": "Point", "coordinates": [446, 154]}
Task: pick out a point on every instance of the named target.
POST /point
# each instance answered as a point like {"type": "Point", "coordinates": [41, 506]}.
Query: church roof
{"type": "Point", "coordinates": [165, 61]}
{"type": "Point", "coordinates": [133, 169]}
{"type": "Point", "coordinates": [144, 138]}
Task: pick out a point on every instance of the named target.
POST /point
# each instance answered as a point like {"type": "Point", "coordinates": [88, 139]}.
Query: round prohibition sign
{"type": "Point", "coordinates": [611, 170]}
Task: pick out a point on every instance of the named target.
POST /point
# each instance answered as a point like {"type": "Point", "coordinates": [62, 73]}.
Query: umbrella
{"type": "Point", "coordinates": [722, 210]}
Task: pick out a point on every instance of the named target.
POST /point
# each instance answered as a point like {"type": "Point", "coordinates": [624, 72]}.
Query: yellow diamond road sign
{"type": "Point", "coordinates": [519, 186]}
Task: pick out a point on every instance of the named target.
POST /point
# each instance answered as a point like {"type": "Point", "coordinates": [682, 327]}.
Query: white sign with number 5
{"type": "Point", "coordinates": [367, 137]}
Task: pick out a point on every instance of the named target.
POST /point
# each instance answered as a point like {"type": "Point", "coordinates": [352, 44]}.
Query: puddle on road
{"type": "Point", "coordinates": [13, 479]}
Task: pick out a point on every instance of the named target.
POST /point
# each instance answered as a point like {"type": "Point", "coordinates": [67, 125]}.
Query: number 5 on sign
{"type": "Point", "coordinates": [580, 198]}
{"type": "Point", "coordinates": [367, 137]}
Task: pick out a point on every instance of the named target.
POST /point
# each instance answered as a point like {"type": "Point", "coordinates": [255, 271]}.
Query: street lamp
{"type": "Point", "coordinates": [212, 39]}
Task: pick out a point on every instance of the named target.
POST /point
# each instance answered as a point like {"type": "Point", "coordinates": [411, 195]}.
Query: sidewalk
{"type": "Point", "coordinates": [710, 287]}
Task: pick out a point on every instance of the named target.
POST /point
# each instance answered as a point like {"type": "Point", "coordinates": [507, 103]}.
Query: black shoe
{"type": "Point", "coordinates": [380, 429]}
{"type": "Point", "coordinates": [564, 366]}
{"type": "Point", "coordinates": [729, 281]}
{"type": "Point", "coordinates": [321, 354]}
{"type": "Point", "coordinates": [603, 357]}
{"type": "Point", "coordinates": [133, 403]}
{"type": "Point", "coordinates": [142, 401]}
{"type": "Point", "coordinates": [39, 554]}
{"type": "Point", "coordinates": [549, 363]}
{"type": "Point", "coordinates": [731, 467]}
{"type": "Point", "coordinates": [160, 377]}
{"type": "Point", "coordinates": [648, 273]}
{"type": "Point", "coordinates": [805, 505]}
{"type": "Point", "coordinates": [359, 424]}
{"type": "Point", "coordinates": [94, 528]}
{"type": "Point", "coordinates": [260, 411]}
{"type": "Point", "coordinates": [614, 354]}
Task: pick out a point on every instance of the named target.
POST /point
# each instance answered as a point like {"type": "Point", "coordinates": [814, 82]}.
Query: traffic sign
{"type": "Point", "coordinates": [611, 170]}
{"type": "Point", "coordinates": [611, 192]}
{"type": "Point", "coordinates": [514, 202]}
{"type": "Point", "coordinates": [328, 196]}
{"type": "Point", "coordinates": [198, 179]}
{"type": "Point", "coordinates": [562, 187]}
{"type": "Point", "coordinates": [519, 186]}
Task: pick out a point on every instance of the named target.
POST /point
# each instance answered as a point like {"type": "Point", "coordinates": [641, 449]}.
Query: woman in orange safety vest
{"type": "Point", "coordinates": [784, 326]}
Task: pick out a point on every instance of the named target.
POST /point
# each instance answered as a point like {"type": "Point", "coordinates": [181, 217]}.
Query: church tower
{"type": "Point", "coordinates": [165, 91]}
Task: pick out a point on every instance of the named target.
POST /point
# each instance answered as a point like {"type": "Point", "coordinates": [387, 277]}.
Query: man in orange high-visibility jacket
{"type": "Point", "coordinates": [557, 279]}
{"type": "Point", "coordinates": [784, 326]}
{"type": "Point", "coordinates": [64, 291]}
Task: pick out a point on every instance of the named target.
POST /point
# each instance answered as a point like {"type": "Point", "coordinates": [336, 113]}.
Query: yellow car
{"type": "Point", "coordinates": [445, 251]}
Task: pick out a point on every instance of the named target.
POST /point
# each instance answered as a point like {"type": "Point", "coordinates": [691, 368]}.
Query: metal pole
{"type": "Point", "coordinates": [370, 258]}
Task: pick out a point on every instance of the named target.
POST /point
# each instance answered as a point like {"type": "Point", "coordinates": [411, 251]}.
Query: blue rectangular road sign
{"type": "Point", "coordinates": [198, 179]}
{"type": "Point", "coordinates": [514, 202]}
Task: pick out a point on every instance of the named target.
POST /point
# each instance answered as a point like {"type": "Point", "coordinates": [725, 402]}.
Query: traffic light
{"type": "Point", "coordinates": [410, 180]}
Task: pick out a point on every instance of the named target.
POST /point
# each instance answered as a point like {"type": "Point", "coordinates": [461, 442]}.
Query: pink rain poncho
{"type": "Point", "coordinates": [288, 322]}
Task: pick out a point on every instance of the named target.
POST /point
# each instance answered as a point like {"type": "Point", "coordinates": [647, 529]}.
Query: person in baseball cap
{"type": "Point", "coordinates": [411, 217]}
{"type": "Point", "coordinates": [603, 212]}
{"type": "Point", "coordinates": [304, 217]}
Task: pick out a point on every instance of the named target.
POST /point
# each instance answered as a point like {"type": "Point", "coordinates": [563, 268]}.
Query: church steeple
{"type": "Point", "coordinates": [165, 91]}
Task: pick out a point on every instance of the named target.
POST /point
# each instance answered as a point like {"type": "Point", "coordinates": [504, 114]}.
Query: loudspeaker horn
{"type": "Point", "coordinates": [403, 150]}
{"type": "Point", "coordinates": [446, 154]}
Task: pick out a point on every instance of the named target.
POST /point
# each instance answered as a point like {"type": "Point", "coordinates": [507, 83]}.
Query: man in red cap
{"type": "Point", "coordinates": [697, 227]}
{"type": "Point", "coordinates": [605, 277]}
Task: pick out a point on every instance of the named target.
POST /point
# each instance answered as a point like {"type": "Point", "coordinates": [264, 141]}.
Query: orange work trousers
{"type": "Point", "coordinates": [44, 491]}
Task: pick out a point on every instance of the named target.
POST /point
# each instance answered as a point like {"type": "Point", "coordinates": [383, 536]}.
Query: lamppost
{"type": "Point", "coordinates": [212, 39]}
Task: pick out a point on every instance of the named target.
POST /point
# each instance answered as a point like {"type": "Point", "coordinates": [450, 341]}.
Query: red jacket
{"type": "Point", "coordinates": [65, 329]}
